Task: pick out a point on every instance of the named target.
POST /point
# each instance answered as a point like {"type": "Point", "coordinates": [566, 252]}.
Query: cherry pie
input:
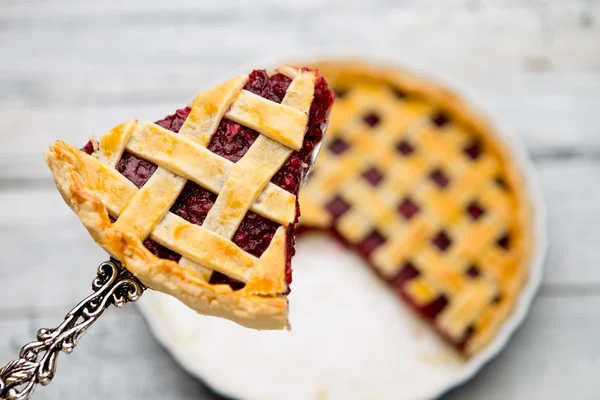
{"type": "Point", "coordinates": [202, 204]}
{"type": "Point", "coordinates": [421, 187]}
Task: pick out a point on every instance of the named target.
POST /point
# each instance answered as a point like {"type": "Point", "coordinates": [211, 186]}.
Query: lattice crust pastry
{"type": "Point", "coordinates": [206, 214]}
{"type": "Point", "coordinates": [420, 185]}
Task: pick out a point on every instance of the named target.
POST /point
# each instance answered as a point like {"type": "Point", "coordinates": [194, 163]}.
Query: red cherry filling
{"type": "Point", "coordinates": [337, 207]}
{"type": "Point", "coordinates": [442, 241]}
{"type": "Point", "coordinates": [338, 146]}
{"type": "Point", "coordinates": [473, 271]}
{"type": "Point", "coordinates": [408, 208]}
{"type": "Point", "coordinates": [405, 148]}
{"type": "Point", "coordinates": [440, 119]}
{"type": "Point", "coordinates": [371, 242]}
{"type": "Point", "coordinates": [373, 176]}
{"type": "Point", "coordinates": [475, 210]}
{"type": "Point", "coordinates": [440, 178]}
{"type": "Point", "coordinates": [232, 141]}
{"type": "Point", "coordinates": [473, 150]}
{"type": "Point", "coordinates": [407, 273]}
{"type": "Point", "coordinates": [372, 119]}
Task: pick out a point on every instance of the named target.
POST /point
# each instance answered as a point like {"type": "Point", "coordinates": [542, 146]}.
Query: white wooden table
{"type": "Point", "coordinates": [69, 69]}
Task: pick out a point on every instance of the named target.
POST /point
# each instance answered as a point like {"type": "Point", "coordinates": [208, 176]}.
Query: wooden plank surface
{"type": "Point", "coordinates": [70, 69]}
{"type": "Point", "coordinates": [468, 37]}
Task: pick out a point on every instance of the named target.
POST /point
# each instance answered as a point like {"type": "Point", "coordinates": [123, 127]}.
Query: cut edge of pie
{"type": "Point", "coordinates": [469, 326]}
{"type": "Point", "coordinates": [120, 215]}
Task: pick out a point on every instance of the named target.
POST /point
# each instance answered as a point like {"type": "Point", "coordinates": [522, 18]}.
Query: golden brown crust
{"type": "Point", "coordinates": [342, 74]}
{"type": "Point", "coordinates": [163, 275]}
{"type": "Point", "coordinates": [93, 188]}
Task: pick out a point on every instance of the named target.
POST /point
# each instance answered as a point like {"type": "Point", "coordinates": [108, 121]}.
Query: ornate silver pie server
{"type": "Point", "coordinates": [114, 285]}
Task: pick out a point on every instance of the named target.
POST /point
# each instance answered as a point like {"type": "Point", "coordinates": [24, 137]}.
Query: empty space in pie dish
{"type": "Point", "coordinates": [350, 338]}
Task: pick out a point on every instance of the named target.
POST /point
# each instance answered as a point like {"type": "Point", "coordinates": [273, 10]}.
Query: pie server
{"type": "Point", "coordinates": [113, 285]}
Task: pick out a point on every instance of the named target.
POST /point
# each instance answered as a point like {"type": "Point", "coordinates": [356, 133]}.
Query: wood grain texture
{"type": "Point", "coordinates": [510, 36]}
{"type": "Point", "coordinates": [70, 69]}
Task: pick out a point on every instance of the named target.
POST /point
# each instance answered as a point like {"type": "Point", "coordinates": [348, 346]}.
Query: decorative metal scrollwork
{"type": "Point", "coordinates": [37, 363]}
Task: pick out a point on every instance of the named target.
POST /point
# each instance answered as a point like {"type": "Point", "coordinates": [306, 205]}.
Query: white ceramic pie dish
{"type": "Point", "coordinates": [330, 353]}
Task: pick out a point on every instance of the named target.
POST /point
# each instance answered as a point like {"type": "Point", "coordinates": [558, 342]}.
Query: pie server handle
{"type": "Point", "coordinates": [114, 285]}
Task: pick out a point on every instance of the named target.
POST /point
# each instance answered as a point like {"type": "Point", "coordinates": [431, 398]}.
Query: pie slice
{"type": "Point", "coordinates": [418, 184]}
{"type": "Point", "coordinates": [202, 204]}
